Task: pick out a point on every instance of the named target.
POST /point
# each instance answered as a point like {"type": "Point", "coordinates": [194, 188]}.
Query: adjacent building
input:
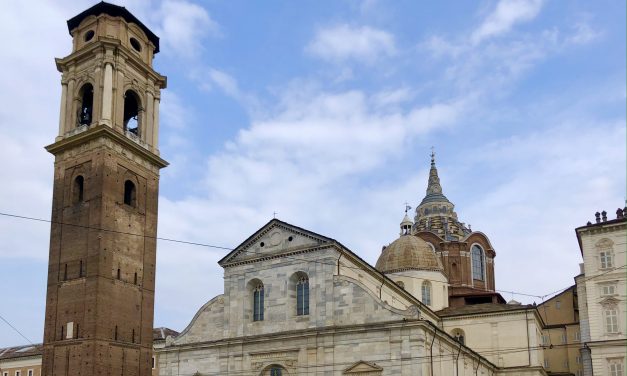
{"type": "Point", "coordinates": [601, 288]}
{"type": "Point", "coordinates": [561, 334]}
{"type": "Point", "coordinates": [26, 360]}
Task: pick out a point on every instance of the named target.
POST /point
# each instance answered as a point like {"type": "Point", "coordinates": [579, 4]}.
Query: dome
{"type": "Point", "coordinates": [408, 252]}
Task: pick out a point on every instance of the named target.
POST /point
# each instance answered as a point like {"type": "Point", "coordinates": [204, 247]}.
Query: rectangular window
{"type": "Point", "coordinates": [5, 374]}
{"type": "Point", "coordinates": [564, 338]}
{"type": "Point", "coordinates": [302, 297]}
{"type": "Point", "coordinates": [577, 336]}
{"type": "Point", "coordinates": [258, 304]}
{"type": "Point", "coordinates": [578, 360]}
{"type": "Point", "coordinates": [545, 339]}
{"type": "Point", "coordinates": [616, 367]}
{"type": "Point", "coordinates": [153, 362]}
{"type": "Point", "coordinates": [558, 304]}
{"type": "Point", "coordinates": [30, 372]}
{"type": "Point", "coordinates": [546, 363]}
{"type": "Point", "coordinates": [611, 320]}
{"type": "Point", "coordinates": [606, 259]}
{"type": "Point", "coordinates": [608, 290]}
{"type": "Point", "coordinates": [18, 373]}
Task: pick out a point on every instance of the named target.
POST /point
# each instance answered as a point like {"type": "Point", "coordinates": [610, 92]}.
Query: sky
{"type": "Point", "coordinates": [325, 112]}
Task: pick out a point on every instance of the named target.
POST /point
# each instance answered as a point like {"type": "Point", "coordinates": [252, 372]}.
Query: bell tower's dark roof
{"type": "Point", "coordinates": [115, 11]}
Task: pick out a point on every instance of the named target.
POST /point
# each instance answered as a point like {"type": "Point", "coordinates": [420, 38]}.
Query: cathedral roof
{"type": "Point", "coordinates": [436, 213]}
{"type": "Point", "coordinates": [408, 252]}
{"type": "Point", "coordinates": [434, 189]}
{"type": "Point", "coordinates": [114, 11]}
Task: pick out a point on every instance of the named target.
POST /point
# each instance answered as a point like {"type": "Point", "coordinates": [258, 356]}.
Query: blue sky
{"type": "Point", "coordinates": [325, 112]}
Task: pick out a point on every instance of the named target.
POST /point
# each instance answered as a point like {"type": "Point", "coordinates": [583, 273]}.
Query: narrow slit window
{"type": "Point", "coordinates": [258, 303]}
{"type": "Point", "coordinates": [115, 333]}
{"type": "Point", "coordinates": [79, 189]}
{"type": "Point", "coordinates": [119, 275]}
{"type": "Point", "coordinates": [135, 278]}
{"type": "Point", "coordinates": [426, 293]}
{"type": "Point", "coordinates": [130, 193]}
{"type": "Point", "coordinates": [65, 272]}
{"type": "Point", "coordinates": [302, 296]}
{"type": "Point", "coordinates": [80, 268]}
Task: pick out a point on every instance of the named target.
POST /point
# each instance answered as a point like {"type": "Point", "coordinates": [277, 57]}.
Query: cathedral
{"type": "Point", "coordinates": [295, 302]}
{"type": "Point", "coordinates": [299, 303]}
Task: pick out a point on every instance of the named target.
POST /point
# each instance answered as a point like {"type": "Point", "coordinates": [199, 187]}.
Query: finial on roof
{"type": "Point", "coordinates": [406, 223]}
{"type": "Point", "coordinates": [432, 156]}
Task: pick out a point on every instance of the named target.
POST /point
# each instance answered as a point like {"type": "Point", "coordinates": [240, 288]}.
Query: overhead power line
{"type": "Point", "coordinates": [206, 245]}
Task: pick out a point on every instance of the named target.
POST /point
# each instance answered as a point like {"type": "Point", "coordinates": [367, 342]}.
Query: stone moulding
{"type": "Point", "coordinates": [104, 131]}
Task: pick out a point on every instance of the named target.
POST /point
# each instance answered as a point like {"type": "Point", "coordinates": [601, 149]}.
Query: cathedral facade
{"type": "Point", "coordinates": [299, 303]}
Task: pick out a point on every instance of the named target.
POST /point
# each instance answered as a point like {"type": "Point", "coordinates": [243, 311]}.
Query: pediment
{"type": "Point", "coordinates": [274, 238]}
{"type": "Point", "coordinates": [609, 302]}
{"type": "Point", "coordinates": [363, 368]}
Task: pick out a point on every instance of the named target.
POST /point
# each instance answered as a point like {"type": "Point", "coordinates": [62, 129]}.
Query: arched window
{"type": "Point", "coordinates": [477, 263]}
{"type": "Point", "coordinates": [130, 194]}
{"type": "Point", "coordinates": [275, 370]}
{"type": "Point", "coordinates": [79, 189]}
{"type": "Point", "coordinates": [87, 105]}
{"type": "Point", "coordinates": [458, 334]}
{"type": "Point", "coordinates": [258, 302]}
{"type": "Point", "coordinates": [302, 296]}
{"type": "Point", "coordinates": [426, 292]}
{"type": "Point", "coordinates": [131, 112]}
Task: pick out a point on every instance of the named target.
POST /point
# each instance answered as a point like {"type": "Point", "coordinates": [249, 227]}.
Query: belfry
{"type": "Point", "coordinates": [101, 271]}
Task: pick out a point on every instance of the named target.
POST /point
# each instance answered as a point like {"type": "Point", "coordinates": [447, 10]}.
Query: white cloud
{"type": "Point", "coordinates": [583, 34]}
{"type": "Point", "coordinates": [506, 14]}
{"type": "Point", "coordinates": [182, 26]}
{"type": "Point", "coordinates": [530, 215]}
{"type": "Point", "coordinates": [345, 42]}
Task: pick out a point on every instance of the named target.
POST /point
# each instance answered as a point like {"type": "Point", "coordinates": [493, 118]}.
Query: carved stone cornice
{"type": "Point", "coordinates": [105, 131]}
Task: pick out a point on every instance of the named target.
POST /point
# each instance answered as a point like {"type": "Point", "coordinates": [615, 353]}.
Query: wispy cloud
{"type": "Point", "coordinates": [506, 14]}
{"type": "Point", "coordinates": [345, 42]}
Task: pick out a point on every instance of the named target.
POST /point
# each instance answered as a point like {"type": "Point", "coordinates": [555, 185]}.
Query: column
{"type": "Point", "coordinates": [148, 120]}
{"type": "Point", "coordinates": [70, 114]}
{"type": "Point", "coordinates": [62, 110]}
{"type": "Point", "coordinates": [155, 127]}
{"type": "Point", "coordinates": [107, 95]}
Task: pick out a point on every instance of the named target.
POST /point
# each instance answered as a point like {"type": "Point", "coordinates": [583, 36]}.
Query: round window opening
{"type": "Point", "coordinates": [136, 45]}
{"type": "Point", "coordinates": [89, 35]}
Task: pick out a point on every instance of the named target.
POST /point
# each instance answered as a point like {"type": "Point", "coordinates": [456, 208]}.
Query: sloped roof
{"type": "Point", "coordinates": [21, 351]}
{"type": "Point", "coordinates": [482, 308]}
{"type": "Point", "coordinates": [115, 11]}
{"type": "Point", "coordinates": [162, 332]}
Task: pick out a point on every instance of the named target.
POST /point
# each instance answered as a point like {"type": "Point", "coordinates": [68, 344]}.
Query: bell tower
{"type": "Point", "coordinates": [101, 269]}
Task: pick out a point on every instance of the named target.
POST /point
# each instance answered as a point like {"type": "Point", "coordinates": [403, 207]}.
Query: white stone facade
{"type": "Point", "coordinates": [602, 297]}
{"type": "Point", "coordinates": [359, 321]}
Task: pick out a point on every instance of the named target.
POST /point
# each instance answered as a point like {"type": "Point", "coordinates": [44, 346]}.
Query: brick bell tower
{"type": "Point", "coordinates": [101, 271]}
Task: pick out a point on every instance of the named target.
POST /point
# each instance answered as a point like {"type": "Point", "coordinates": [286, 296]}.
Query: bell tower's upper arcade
{"type": "Point", "coordinates": [108, 78]}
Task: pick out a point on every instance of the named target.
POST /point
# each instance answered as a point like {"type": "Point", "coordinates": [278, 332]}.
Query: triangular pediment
{"type": "Point", "coordinates": [608, 302]}
{"type": "Point", "coordinates": [363, 368]}
{"type": "Point", "coordinates": [273, 239]}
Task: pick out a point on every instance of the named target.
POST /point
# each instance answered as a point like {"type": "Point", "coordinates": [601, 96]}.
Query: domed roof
{"type": "Point", "coordinates": [408, 252]}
